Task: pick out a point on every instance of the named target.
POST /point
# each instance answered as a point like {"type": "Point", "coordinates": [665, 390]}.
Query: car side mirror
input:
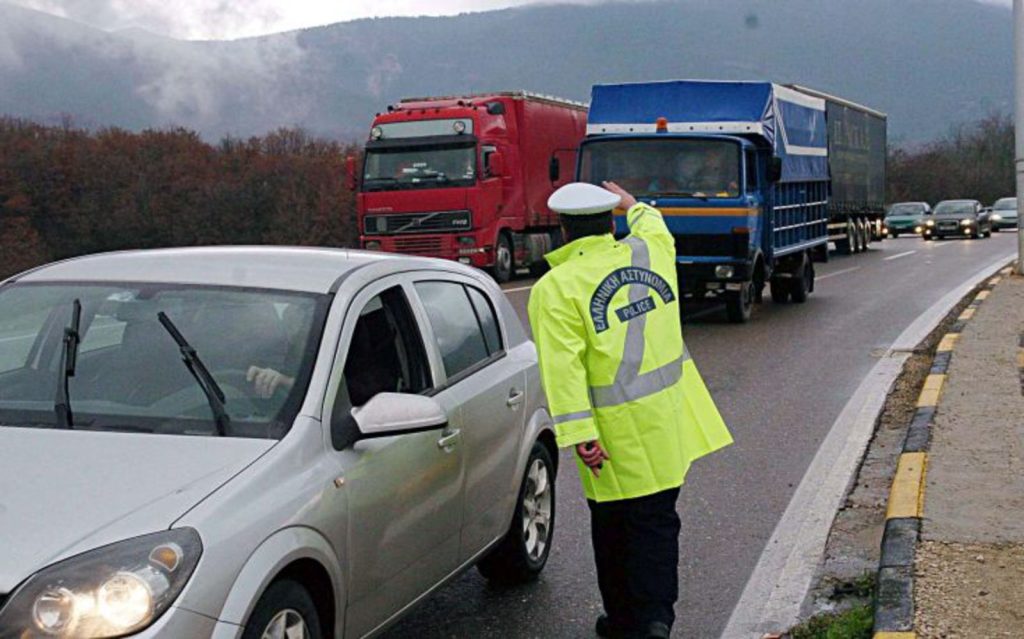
{"type": "Point", "coordinates": [496, 164]}
{"type": "Point", "coordinates": [554, 169]}
{"type": "Point", "coordinates": [775, 169]}
{"type": "Point", "coordinates": [351, 181]}
{"type": "Point", "coordinates": [388, 414]}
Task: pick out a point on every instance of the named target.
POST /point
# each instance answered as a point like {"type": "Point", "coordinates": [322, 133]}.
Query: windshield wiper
{"type": "Point", "coordinates": [66, 368]}
{"type": "Point", "coordinates": [213, 392]}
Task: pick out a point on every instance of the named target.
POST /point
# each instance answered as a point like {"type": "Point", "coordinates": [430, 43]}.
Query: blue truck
{"type": "Point", "coordinates": [754, 179]}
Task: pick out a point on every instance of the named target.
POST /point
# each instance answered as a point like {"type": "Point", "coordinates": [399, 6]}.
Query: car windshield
{"type": "Point", "coordinates": [130, 375]}
{"type": "Point", "coordinates": [1005, 204]}
{"type": "Point", "coordinates": [905, 209]}
{"type": "Point", "coordinates": [954, 208]}
{"type": "Point", "coordinates": [419, 167]}
{"type": "Point", "coordinates": [671, 167]}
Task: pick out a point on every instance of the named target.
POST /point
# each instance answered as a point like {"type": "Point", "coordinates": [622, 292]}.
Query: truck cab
{"type": "Point", "coordinates": [467, 179]}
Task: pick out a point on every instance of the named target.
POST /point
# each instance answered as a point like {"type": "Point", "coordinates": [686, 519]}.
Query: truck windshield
{"type": "Point", "coordinates": [667, 167]}
{"type": "Point", "coordinates": [419, 167]}
{"type": "Point", "coordinates": [130, 375]}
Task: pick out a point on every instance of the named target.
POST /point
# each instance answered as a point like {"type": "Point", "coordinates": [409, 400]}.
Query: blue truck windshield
{"type": "Point", "coordinates": [666, 167]}
{"type": "Point", "coordinates": [419, 167]}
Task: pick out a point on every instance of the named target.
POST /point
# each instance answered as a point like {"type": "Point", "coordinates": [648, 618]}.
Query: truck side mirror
{"type": "Point", "coordinates": [351, 182]}
{"type": "Point", "coordinates": [496, 164]}
{"type": "Point", "coordinates": [774, 169]}
{"type": "Point", "coordinates": [554, 169]}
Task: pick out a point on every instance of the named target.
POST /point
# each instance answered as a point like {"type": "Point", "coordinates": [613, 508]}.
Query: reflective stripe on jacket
{"type": "Point", "coordinates": [606, 323]}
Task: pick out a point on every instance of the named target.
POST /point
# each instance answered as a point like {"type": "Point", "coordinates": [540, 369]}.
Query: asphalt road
{"type": "Point", "coordinates": [780, 382]}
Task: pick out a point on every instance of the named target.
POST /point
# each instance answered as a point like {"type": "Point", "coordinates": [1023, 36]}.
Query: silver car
{"type": "Point", "coordinates": [261, 442]}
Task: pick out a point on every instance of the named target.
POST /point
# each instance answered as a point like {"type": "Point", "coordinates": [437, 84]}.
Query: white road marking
{"type": "Point", "coordinates": [818, 278]}
{"type": "Point", "coordinates": [779, 584]}
{"type": "Point", "coordinates": [516, 289]}
{"type": "Point", "coordinates": [898, 256]}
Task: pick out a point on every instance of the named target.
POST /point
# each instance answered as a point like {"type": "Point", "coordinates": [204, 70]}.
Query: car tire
{"type": "Point", "coordinates": [894, 234]}
{"type": "Point", "coordinates": [521, 555]}
{"type": "Point", "coordinates": [286, 604]}
{"type": "Point", "coordinates": [740, 304]}
{"type": "Point", "coordinates": [504, 259]}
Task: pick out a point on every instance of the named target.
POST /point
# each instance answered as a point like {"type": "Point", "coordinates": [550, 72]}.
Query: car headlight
{"type": "Point", "coordinates": [929, 223]}
{"type": "Point", "coordinates": [918, 229]}
{"type": "Point", "coordinates": [724, 271]}
{"type": "Point", "coordinates": [108, 592]}
{"type": "Point", "coordinates": [966, 222]}
{"type": "Point", "coordinates": [996, 217]}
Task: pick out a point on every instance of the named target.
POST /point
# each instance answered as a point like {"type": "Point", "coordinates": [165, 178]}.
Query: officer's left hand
{"type": "Point", "coordinates": [592, 455]}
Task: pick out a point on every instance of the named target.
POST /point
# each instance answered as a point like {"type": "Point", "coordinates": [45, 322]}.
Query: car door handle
{"type": "Point", "coordinates": [515, 398]}
{"type": "Point", "coordinates": [447, 441]}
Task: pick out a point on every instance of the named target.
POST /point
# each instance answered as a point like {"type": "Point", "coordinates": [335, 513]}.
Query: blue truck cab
{"type": "Point", "coordinates": [741, 173]}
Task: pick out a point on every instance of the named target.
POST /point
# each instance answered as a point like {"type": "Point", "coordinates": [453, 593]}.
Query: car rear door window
{"type": "Point", "coordinates": [488, 321]}
{"type": "Point", "coordinates": [460, 338]}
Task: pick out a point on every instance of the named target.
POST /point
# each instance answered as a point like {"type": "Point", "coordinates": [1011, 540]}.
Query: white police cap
{"type": "Point", "coordinates": [580, 198]}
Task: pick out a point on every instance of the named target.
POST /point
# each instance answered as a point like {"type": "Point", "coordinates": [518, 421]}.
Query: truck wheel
{"type": "Point", "coordinates": [521, 555]}
{"type": "Point", "coordinates": [858, 237]}
{"type": "Point", "coordinates": [503, 259]}
{"type": "Point", "coordinates": [869, 235]}
{"type": "Point", "coordinates": [800, 287]}
{"type": "Point", "coordinates": [848, 244]}
{"type": "Point", "coordinates": [780, 291]}
{"type": "Point", "coordinates": [739, 304]}
{"type": "Point", "coordinates": [539, 268]}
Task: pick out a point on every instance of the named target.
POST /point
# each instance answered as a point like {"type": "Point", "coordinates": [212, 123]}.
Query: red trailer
{"type": "Point", "coordinates": [467, 178]}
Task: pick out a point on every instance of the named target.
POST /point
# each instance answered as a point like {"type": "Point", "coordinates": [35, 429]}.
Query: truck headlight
{"type": "Point", "coordinates": [724, 271]}
{"type": "Point", "coordinates": [966, 222]}
{"type": "Point", "coordinates": [108, 592]}
{"type": "Point", "coordinates": [372, 245]}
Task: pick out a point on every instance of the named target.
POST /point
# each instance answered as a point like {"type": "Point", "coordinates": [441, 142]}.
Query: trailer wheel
{"type": "Point", "coordinates": [848, 244]}
{"type": "Point", "coordinates": [858, 237]}
{"type": "Point", "coordinates": [739, 304]}
{"type": "Point", "coordinates": [504, 263]}
{"type": "Point", "coordinates": [868, 233]}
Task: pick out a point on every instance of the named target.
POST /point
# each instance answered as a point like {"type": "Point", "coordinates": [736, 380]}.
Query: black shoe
{"type": "Point", "coordinates": [607, 630]}
{"type": "Point", "coordinates": [657, 630]}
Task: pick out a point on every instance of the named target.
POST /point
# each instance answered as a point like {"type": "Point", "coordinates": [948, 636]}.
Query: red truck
{"type": "Point", "coordinates": [468, 178]}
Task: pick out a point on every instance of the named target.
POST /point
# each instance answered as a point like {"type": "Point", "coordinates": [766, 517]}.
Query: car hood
{"type": "Point", "coordinates": [902, 219]}
{"type": "Point", "coordinates": [65, 492]}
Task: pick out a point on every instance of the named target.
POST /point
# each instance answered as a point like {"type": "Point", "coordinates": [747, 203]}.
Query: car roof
{"type": "Point", "coordinates": [959, 202]}
{"type": "Point", "coordinates": [305, 269]}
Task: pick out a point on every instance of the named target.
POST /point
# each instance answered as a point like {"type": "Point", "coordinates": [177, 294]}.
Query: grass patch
{"type": "Point", "coordinates": [855, 623]}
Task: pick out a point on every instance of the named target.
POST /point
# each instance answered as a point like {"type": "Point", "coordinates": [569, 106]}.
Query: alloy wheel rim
{"type": "Point", "coordinates": [287, 624]}
{"type": "Point", "coordinates": [537, 510]}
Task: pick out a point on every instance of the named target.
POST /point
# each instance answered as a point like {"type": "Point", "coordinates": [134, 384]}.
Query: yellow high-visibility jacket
{"type": "Point", "coordinates": [606, 323]}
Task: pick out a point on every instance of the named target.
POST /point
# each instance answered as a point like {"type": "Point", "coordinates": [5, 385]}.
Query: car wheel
{"type": "Point", "coordinates": [504, 262]}
{"type": "Point", "coordinates": [520, 556]}
{"type": "Point", "coordinates": [739, 304]}
{"type": "Point", "coordinates": [894, 234]}
{"type": "Point", "coordinates": [285, 610]}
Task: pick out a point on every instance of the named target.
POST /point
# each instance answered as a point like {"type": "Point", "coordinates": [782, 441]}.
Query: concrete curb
{"type": "Point", "coordinates": [894, 599]}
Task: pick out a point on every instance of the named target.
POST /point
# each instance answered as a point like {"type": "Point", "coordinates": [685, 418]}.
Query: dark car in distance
{"type": "Point", "coordinates": [957, 217]}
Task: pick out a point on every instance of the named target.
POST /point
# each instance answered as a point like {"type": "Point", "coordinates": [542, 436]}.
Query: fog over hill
{"type": "Point", "coordinates": [928, 63]}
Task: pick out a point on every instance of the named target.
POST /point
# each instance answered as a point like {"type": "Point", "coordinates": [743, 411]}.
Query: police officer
{"type": "Point", "coordinates": [624, 392]}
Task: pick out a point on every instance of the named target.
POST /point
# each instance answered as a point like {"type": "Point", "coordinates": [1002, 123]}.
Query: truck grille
{"type": "Point", "coordinates": [713, 244]}
{"type": "Point", "coordinates": [419, 245]}
{"type": "Point", "coordinates": [439, 222]}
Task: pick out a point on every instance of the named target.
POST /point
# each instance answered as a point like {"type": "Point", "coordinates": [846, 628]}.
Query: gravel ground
{"type": "Point", "coordinates": [969, 591]}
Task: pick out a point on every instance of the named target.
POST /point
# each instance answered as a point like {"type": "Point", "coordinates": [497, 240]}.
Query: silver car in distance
{"type": "Point", "coordinates": [261, 442]}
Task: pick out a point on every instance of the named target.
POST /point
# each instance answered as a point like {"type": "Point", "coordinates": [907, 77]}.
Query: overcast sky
{"type": "Point", "coordinates": [225, 19]}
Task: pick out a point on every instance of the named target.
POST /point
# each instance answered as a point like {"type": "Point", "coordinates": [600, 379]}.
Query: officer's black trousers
{"type": "Point", "coordinates": [636, 548]}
